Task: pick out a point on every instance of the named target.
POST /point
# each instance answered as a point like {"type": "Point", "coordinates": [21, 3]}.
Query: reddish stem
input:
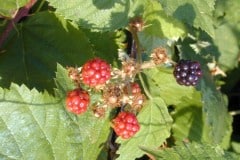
{"type": "Point", "coordinates": [22, 12]}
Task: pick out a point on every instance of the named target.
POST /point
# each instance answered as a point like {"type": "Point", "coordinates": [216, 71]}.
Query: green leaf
{"type": "Point", "coordinates": [188, 120]}
{"type": "Point", "coordinates": [42, 41]}
{"type": "Point", "coordinates": [214, 106]}
{"type": "Point", "coordinates": [227, 43]}
{"type": "Point", "coordinates": [161, 82]}
{"type": "Point", "coordinates": [195, 13]}
{"type": "Point", "coordinates": [101, 15]}
{"type": "Point", "coordinates": [9, 7]}
{"type": "Point", "coordinates": [150, 42]}
{"type": "Point", "coordinates": [104, 45]}
{"type": "Point", "coordinates": [159, 24]}
{"type": "Point", "coordinates": [196, 151]}
{"type": "Point", "coordinates": [155, 123]}
{"type": "Point", "coordinates": [39, 43]}
{"type": "Point", "coordinates": [93, 131]}
{"type": "Point", "coordinates": [228, 10]}
{"type": "Point", "coordinates": [236, 146]}
{"type": "Point", "coordinates": [36, 125]}
{"type": "Point", "coordinates": [215, 111]}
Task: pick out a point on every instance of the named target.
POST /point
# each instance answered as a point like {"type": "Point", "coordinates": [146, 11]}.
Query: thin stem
{"type": "Point", "coordinates": [144, 86]}
{"type": "Point", "coordinates": [22, 12]}
{"type": "Point", "coordinates": [138, 46]}
{"type": "Point", "coordinates": [40, 6]}
{"type": "Point", "coordinates": [234, 113]}
{"type": "Point", "coordinates": [139, 59]}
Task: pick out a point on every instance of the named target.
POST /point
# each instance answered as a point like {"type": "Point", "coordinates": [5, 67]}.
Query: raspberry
{"type": "Point", "coordinates": [77, 101]}
{"type": "Point", "coordinates": [96, 72]}
{"type": "Point", "coordinates": [187, 72]}
{"type": "Point", "coordinates": [126, 125]}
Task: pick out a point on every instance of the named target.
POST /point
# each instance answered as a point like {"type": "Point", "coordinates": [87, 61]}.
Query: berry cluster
{"type": "Point", "coordinates": [94, 72]}
{"type": "Point", "coordinates": [96, 76]}
{"type": "Point", "coordinates": [187, 72]}
{"type": "Point", "coordinates": [125, 125]}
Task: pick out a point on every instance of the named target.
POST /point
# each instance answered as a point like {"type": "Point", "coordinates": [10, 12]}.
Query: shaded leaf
{"type": "Point", "coordinates": [99, 15]}
{"type": "Point", "coordinates": [195, 13]}
{"type": "Point", "coordinates": [42, 41]}
{"type": "Point", "coordinates": [214, 106]}
{"type": "Point", "coordinates": [227, 43]}
{"type": "Point", "coordinates": [188, 120]}
{"type": "Point", "coordinates": [158, 24]}
{"type": "Point", "coordinates": [191, 151]}
{"type": "Point", "coordinates": [37, 46]}
{"type": "Point", "coordinates": [36, 125]}
{"type": "Point", "coordinates": [161, 83]}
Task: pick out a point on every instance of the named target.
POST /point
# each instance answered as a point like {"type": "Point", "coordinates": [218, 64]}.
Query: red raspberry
{"type": "Point", "coordinates": [77, 101]}
{"type": "Point", "coordinates": [126, 125]}
{"type": "Point", "coordinates": [96, 72]}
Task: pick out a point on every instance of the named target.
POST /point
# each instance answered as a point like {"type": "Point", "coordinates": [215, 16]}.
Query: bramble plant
{"type": "Point", "coordinates": [119, 79]}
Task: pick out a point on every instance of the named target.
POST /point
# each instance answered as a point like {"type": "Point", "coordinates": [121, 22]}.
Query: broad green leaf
{"type": "Point", "coordinates": [188, 120]}
{"type": "Point", "coordinates": [150, 42]}
{"type": "Point", "coordinates": [158, 24]}
{"type": "Point", "coordinates": [155, 123]}
{"type": "Point", "coordinates": [37, 45]}
{"type": "Point", "coordinates": [197, 13]}
{"type": "Point", "coordinates": [236, 147]}
{"type": "Point", "coordinates": [195, 151]}
{"type": "Point", "coordinates": [99, 15]}
{"type": "Point", "coordinates": [36, 125]}
{"type": "Point", "coordinates": [214, 106]}
{"type": "Point", "coordinates": [189, 123]}
{"type": "Point", "coordinates": [45, 39]}
{"type": "Point", "coordinates": [215, 111]}
{"type": "Point", "coordinates": [9, 7]}
{"type": "Point", "coordinates": [229, 10]}
{"type": "Point", "coordinates": [93, 131]}
{"type": "Point", "coordinates": [161, 82]}
{"type": "Point", "coordinates": [104, 45]}
{"type": "Point", "coordinates": [227, 43]}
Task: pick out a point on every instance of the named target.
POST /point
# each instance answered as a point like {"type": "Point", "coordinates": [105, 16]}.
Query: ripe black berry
{"type": "Point", "coordinates": [187, 72]}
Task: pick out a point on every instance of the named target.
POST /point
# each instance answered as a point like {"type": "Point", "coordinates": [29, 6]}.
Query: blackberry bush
{"type": "Point", "coordinates": [47, 49]}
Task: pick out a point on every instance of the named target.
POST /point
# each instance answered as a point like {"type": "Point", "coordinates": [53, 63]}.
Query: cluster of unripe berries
{"type": "Point", "coordinates": [95, 74]}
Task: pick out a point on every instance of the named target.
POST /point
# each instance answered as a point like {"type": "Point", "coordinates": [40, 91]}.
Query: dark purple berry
{"type": "Point", "coordinates": [187, 72]}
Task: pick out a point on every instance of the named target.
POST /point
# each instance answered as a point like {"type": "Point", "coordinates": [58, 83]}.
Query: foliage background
{"type": "Point", "coordinates": [40, 38]}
